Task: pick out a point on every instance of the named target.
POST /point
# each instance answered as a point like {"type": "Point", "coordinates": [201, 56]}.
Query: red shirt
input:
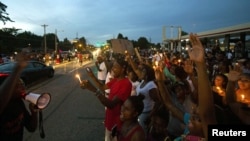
{"type": "Point", "coordinates": [121, 89]}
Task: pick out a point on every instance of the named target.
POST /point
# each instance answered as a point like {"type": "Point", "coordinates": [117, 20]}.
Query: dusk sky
{"type": "Point", "coordinates": [101, 20]}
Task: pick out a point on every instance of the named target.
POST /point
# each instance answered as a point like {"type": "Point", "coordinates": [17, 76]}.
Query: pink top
{"type": "Point", "coordinates": [131, 133]}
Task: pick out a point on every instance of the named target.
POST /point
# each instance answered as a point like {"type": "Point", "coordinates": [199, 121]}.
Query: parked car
{"type": "Point", "coordinates": [34, 71]}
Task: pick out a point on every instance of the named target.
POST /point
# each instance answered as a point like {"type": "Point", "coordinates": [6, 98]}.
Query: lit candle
{"type": "Point", "coordinates": [219, 89]}
{"type": "Point", "coordinates": [78, 76]}
{"type": "Point", "coordinates": [242, 97]}
{"type": "Point", "coordinates": [156, 63]}
{"type": "Point", "coordinates": [154, 67]}
{"type": "Point", "coordinates": [179, 61]}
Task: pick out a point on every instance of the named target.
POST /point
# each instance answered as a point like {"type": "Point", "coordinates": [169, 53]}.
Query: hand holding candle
{"type": "Point", "coordinates": [242, 97]}
{"type": "Point", "coordinates": [179, 62]}
{"type": "Point", "coordinates": [156, 63]}
{"type": "Point", "coordinates": [219, 89]}
{"type": "Point", "coordinates": [78, 76]}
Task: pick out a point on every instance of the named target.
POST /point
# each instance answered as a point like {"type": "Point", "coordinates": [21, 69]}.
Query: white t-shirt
{"type": "Point", "coordinates": [229, 55]}
{"type": "Point", "coordinates": [108, 78]}
{"type": "Point", "coordinates": [148, 102]}
{"type": "Point", "coordinates": [101, 75]}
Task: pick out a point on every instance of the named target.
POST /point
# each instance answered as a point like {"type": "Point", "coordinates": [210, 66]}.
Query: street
{"type": "Point", "coordinates": [73, 114]}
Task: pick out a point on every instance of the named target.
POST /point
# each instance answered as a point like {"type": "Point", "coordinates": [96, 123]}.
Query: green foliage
{"type": "Point", "coordinates": [143, 43]}
{"type": "Point", "coordinates": [4, 16]}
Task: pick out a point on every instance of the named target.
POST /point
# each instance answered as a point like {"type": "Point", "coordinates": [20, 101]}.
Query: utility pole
{"type": "Point", "coordinates": [55, 41]}
{"type": "Point", "coordinates": [45, 45]}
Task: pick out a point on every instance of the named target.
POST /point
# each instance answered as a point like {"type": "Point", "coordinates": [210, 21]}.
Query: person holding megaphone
{"type": "Point", "coordinates": [13, 113]}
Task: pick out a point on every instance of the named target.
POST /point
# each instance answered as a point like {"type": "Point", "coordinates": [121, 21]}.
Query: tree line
{"type": "Point", "coordinates": [11, 39]}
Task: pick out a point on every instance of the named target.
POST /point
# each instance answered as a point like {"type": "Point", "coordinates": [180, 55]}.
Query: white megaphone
{"type": "Point", "coordinates": [40, 100]}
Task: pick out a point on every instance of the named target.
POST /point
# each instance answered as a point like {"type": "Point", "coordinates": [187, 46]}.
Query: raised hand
{"type": "Point", "coordinates": [127, 56]}
{"type": "Point", "coordinates": [86, 84]}
{"type": "Point", "coordinates": [159, 75]}
{"type": "Point", "coordinates": [196, 53]}
{"type": "Point", "coordinates": [21, 59]}
{"type": "Point", "coordinates": [234, 73]}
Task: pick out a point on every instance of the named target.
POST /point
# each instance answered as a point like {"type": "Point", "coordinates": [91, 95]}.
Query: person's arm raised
{"type": "Point", "coordinates": [165, 94]}
{"type": "Point", "coordinates": [132, 64]}
{"type": "Point", "coordinates": [8, 86]}
{"type": "Point", "coordinates": [95, 80]}
{"type": "Point", "coordinates": [232, 76]}
{"type": "Point", "coordinates": [205, 97]}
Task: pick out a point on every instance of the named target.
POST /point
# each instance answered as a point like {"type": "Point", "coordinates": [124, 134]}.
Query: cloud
{"type": "Point", "coordinates": [101, 20]}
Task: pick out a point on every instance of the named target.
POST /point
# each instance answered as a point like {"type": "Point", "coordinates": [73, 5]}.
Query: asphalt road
{"type": "Point", "coordinates": [73, 114]}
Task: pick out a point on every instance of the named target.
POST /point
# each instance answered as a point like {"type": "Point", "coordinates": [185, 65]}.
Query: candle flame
{"type": "Point", "coordinates": [156, 63]}
{"type": "Point", "coordinates": [242, 96]}
{"type": "Point", "coordinates": [78, 76]}
{"type": "Point", "coordinates": [154, 67]}
{"type": "Point", "coordinates": [218, 88]}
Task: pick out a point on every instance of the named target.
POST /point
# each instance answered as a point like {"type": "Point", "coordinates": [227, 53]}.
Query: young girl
{"type": "Point", "coordinates": [219, 89]}
{"type": "Point", "coordinates": [130, 129]}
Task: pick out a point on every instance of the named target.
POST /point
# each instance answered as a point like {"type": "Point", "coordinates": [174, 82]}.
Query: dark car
{"type": "Point", "coordinates": [34, 71]}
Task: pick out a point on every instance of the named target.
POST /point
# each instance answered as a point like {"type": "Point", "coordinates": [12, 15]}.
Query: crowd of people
{"type": "Point", "coordinates": [169, 97]}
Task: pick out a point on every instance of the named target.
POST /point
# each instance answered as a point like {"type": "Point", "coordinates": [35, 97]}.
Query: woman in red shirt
{"type": "Point", "coordinates": [120, 89]}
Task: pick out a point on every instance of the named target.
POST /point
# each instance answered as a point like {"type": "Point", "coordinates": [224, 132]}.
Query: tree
{"type": "Point", "coordinates": [120, 36]}
{"type": "Point", "coordinates": [11, 31]}
{"type": "Point", "coordinates": [28, 39]}
{"type": "Point", "coordinates": [8, 40]}
{"type": "Point", "coordinates": [65, 45]}
{"type": "Point", "coordinates": [4, 16]}
{"type": "Point", "coordinates": [143, 43]}
{"type": "Point", "coordinates": [183, 33]}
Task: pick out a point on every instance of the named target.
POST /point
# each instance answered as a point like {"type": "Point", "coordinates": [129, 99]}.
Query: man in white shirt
{"type": "Point", "coordinates": [102, 69]}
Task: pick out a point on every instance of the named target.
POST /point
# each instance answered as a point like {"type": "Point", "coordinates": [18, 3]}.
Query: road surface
{"type": "Point", "coordinates": [73, 114]}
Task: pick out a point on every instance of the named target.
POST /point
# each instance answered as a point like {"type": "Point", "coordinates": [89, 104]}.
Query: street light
{"type": "Point", "coordinates": [80, 47]}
